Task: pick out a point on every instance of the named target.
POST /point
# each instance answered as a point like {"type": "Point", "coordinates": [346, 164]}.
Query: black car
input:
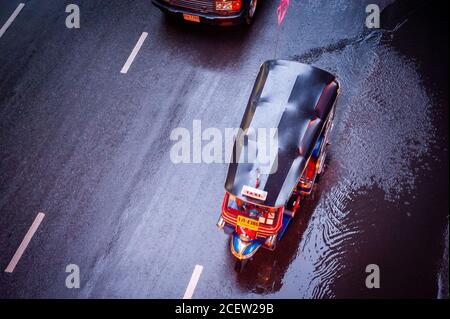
{"type": "Point", "coordinates": [216, 12]}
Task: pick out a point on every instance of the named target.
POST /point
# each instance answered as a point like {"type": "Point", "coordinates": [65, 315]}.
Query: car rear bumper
{"type": "Point", "coordinates": [207, 18]}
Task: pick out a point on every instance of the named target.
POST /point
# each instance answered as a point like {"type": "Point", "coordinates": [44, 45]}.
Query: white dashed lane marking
{"type": "Point", "coordinates": [11, 19]}
{"type": "Point", "coordinates": [193, 282]}
{"type": "Point", "coordinates": [24, 243]}
{"type": "Point", "coordinates": [134, 53]}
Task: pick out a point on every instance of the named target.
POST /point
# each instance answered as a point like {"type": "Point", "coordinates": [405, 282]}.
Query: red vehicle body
{"type": "Point", "coordinates": [259, 204]}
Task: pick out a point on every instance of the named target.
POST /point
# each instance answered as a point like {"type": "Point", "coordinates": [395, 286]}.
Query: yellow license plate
{"type": "Point", "coordinates": [190, 17]}
{"type": "Point", "coordinates": [248, 223]}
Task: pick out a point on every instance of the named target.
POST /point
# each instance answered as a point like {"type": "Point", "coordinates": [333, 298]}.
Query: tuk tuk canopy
{"type": "Point", "coordinates": [296, 100]}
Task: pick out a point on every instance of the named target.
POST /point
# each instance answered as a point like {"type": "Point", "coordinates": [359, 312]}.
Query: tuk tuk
{"type": "Point", "coordinates": [299, 101]}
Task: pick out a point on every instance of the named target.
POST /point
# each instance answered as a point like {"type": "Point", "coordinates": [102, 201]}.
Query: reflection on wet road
{"type": "Point", "coordinates": [90, 147]}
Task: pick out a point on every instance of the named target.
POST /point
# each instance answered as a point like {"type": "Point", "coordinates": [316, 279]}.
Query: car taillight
{"type": "Point", "coordinates": [227, 5]}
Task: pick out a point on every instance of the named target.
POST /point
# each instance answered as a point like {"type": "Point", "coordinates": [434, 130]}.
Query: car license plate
{"type": "Point", "coordinates": [190, 17]}
{"type": "Point", "coordinates": [247, 223]}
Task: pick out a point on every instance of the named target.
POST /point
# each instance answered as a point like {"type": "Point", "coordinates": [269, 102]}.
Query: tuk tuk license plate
{"type": "Point", "coordinates": [190, 17]}
{"type": "Point", "coordinates": [248, 223]}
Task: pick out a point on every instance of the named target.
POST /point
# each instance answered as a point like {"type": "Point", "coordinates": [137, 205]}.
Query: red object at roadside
{"type": "Point", "coordinates": [282, 10]}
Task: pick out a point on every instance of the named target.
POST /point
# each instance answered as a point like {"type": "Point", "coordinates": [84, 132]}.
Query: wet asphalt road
{"type": "Point", "coordinates": [89, 147]}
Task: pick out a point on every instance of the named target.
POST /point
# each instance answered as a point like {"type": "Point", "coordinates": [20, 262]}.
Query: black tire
{"type": "Point", "coordinates": [319, 175]}
{"type": "Point", "coordinates": [274, 245]}
{"type": "Point", "coordinates": [240, 265]}
{"type": "Point", "coordinates": [317, 180]}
